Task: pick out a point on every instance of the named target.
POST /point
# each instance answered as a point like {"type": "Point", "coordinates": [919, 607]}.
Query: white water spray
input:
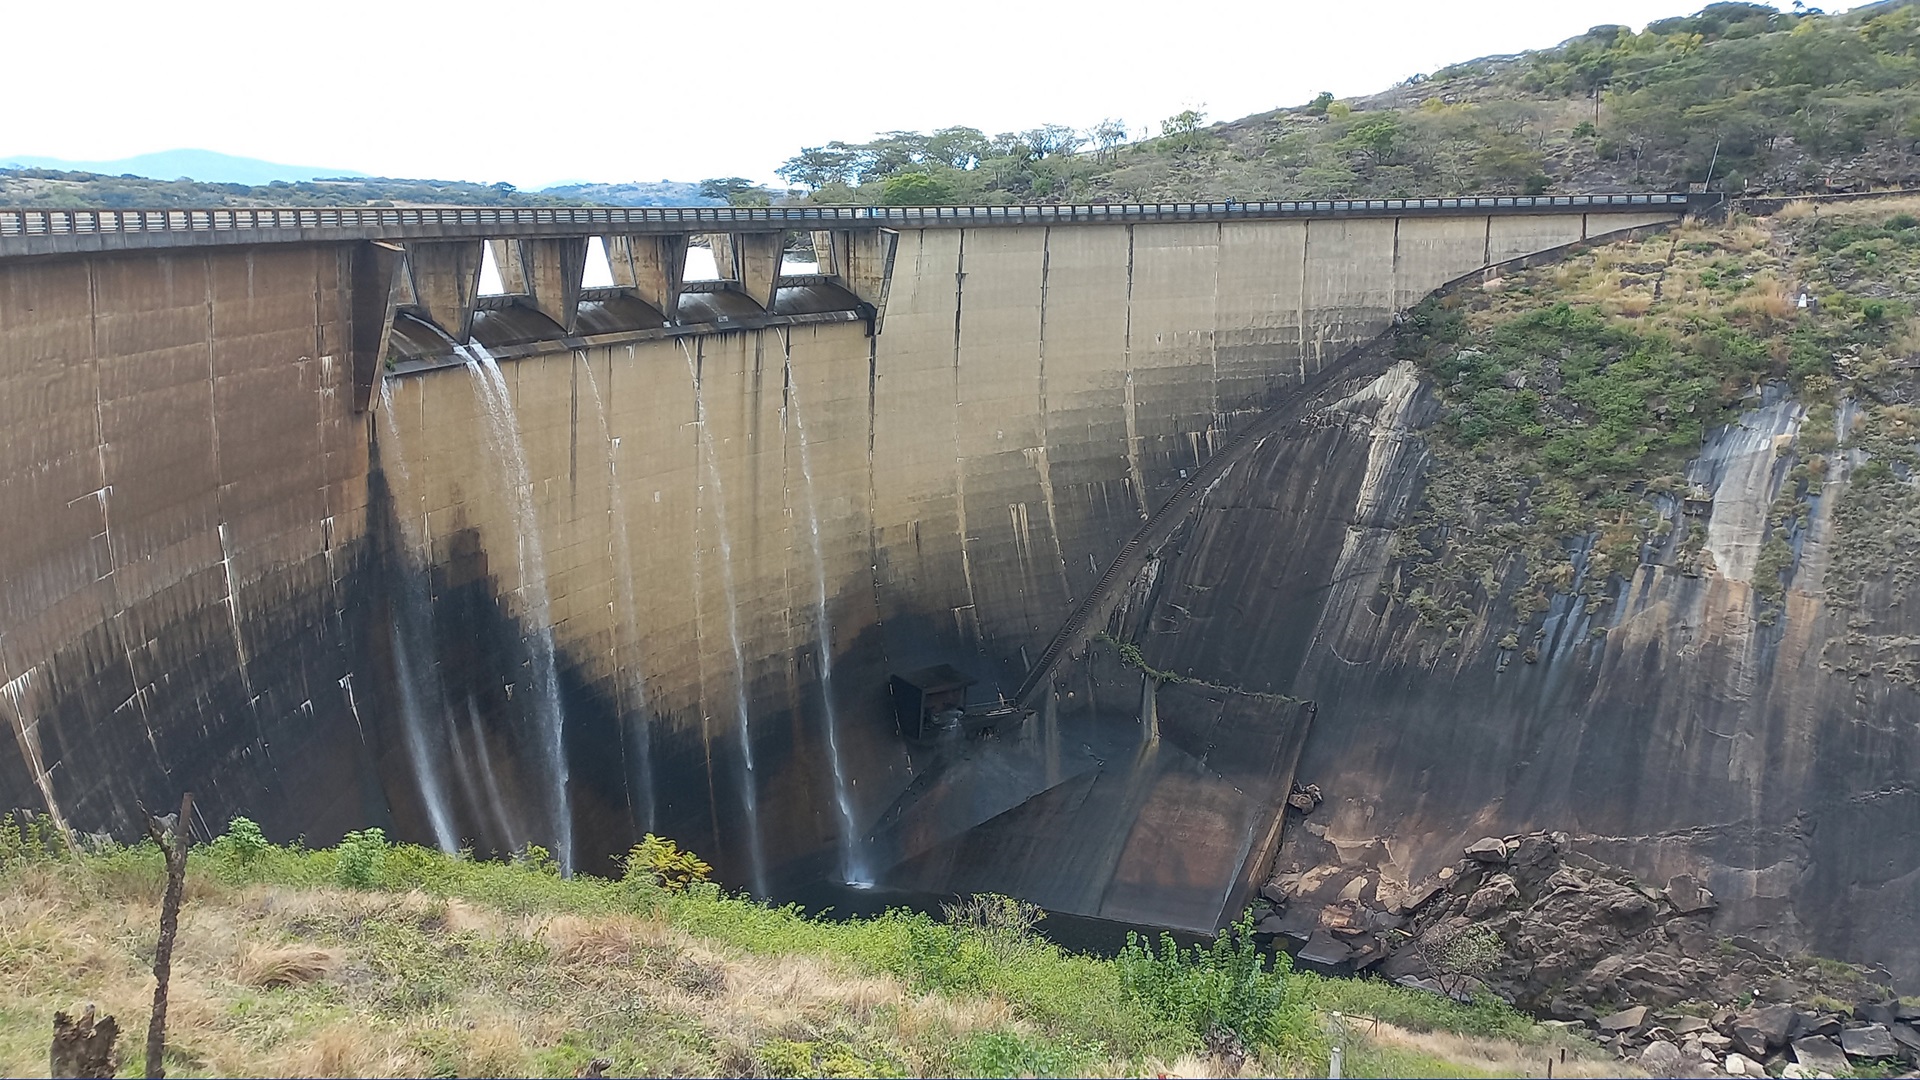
{"type": "Point", "coordinates": [853, 869]}
{"type": "Point", "coordinates": [641, 732]}
{"type": "Point", "coordinates": [413, 615]}
{"type": "Point", "coordinates": [510, 453]}
{"type": "Point", "coordinates": [749, 797]}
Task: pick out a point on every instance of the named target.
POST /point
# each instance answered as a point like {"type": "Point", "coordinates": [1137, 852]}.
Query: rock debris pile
{"type": "Point", "coordinates": [1569, 938]}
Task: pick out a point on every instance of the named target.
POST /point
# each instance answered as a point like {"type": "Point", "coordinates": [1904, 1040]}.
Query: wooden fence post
{"type": "Point", "coordinates": [176, 853]}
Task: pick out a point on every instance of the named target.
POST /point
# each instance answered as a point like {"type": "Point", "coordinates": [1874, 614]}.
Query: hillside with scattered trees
{"type": "Point", "coordinates": [1739, 97]}
{"type": "Point", "coordinates": [1736, 97]}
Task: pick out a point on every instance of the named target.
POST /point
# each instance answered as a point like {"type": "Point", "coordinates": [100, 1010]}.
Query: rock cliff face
{"type": "Point", "coordinates": [1672, 722]}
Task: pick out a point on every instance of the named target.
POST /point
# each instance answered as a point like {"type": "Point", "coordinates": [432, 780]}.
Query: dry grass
{"type": "Point", "coordinates": [1498, 1057]}
{"type": "Point", "coordinates": [276, 980]}
{"type": "Point", "coordinates": [272, 981]}
{"type": "Point", "coordinates": [1851, 211]}
{"type": "Point", "coordinates": [270, 967]}
{"type": "Point", "coordinates": [1768, 300]}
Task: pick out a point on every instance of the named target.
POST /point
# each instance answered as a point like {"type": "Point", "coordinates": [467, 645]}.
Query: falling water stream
{"type": "Point", "coordinates": [511, 455]}
{"type": "Point", "coordinates": [749, 796]}
{"type": "Point", "coordinates": [853, 869]}
{"type": "Point", "coordinates": [640, 732]}
{"type": "Point", "coordinates": [413, 622]}
{"type": "Point", "coordinates": [491, 781]}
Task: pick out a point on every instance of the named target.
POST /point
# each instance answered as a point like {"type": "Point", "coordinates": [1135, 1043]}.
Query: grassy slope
{"type": "Point", "coordinates": [1576, 393]}
{"type": "Point", "coordinates": [1738, 94]}
{"type": "Point", "coordinates": [451, 967]}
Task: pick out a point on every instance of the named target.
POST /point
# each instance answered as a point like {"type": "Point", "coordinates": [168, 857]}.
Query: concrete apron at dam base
{"type": "Point", "coordinates": [594, 563]}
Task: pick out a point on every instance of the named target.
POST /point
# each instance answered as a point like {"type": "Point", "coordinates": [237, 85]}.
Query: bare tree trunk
{"type": "Point", "coordinates": [82, 1048]}
{"type": "Point", "coordinates": [176, 852]}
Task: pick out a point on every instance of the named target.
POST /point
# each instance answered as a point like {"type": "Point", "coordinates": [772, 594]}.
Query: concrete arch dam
{"type": "Point", "coordinates": [302, 522]}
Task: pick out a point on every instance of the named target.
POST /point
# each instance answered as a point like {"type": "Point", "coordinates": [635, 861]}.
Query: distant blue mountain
{"type": "Point", "coordinates": [661, 193]}
{"type": "Point", "coordinates": [205, 166]}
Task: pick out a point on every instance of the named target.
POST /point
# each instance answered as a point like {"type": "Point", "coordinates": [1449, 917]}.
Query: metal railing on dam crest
{"type": "Point", "coordinates": [25, 232]}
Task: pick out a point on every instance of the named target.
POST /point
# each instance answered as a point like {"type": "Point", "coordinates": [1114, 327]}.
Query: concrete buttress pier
{"type": "Point", "coordinates": [300, 521]}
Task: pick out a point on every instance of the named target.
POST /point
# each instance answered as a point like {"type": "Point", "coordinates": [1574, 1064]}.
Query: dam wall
{"type": "Point", "coordinates": [644, 580]}
{"type": "Point", "coordinates": [185, 483]}
{"type": "Point", "coordinates": [1029, 396]}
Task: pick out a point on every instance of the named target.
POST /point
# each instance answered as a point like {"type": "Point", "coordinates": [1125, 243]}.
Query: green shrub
{"type": "Point", "coordinates": [29, 837]}
{"type": "Point", "coordinates": [1009, 1053]}
{"type": "Point", "coordinates": [360, 857]}
{"type": "Point", "coordinates": [944, 957]}
{"type": "Point", "coordinates": [661, 862]}
{"type": "Point", "coordinates": [1006, 924]}
{"type": "Point", "coordinates": [243, 843]}
{"type": "Point", "coordinates": [1224, 987]}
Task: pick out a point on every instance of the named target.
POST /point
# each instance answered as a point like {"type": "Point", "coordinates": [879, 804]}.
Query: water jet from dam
{"type": "Point", "coordinates": [638, 736]}
{"type": "Point", "coordinates": [749, 782]}
{"type": "Point", "coordinates": [853, 869]}
{"type": "Point", "coordinates": [413, 622]}
{"type": "Point", "coordinates": [490, 386]}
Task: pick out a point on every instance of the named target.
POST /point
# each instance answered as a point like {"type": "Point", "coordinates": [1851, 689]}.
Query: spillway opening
{"type": "Point", "coordinates": [598, 271]}
{"type": "Point", "coordinates": [799, 258]}
{"type": "Point", "coordinates": [701, 263]}
{"type": "Point", "coordinates": [491, 283]}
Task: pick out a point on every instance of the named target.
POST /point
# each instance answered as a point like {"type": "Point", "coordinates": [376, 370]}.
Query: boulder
{"type": "Point", "coordinates": [1688, 896]}
{"type": "Point", "coordinates": [1906, 1035]}
{"type": "Point", "coordinates": [1384, 920]}
{"type": "Point", "coordinates": [1871, 1041]}
{"type": "Point", "coordinates": [1302, 802]}
{"type": "Point", "coordinates": [1498, 892]}
{"type": "Point", "coordinates": [1412, 982]}
{"type": "Point", "coordinates": [1687, 1025]}
{"type": "Point", "coordinates": [1875, 1012]}
{"type": "Point", "coordinates": [1742, 1065]}
{"type": "Point", "coordinates": [1272, 924]}
{"type": "Point", "coordinates": [1763, 1029]}
{"type": "Point", "coordinates": [1488, 849]}
{"type": "Point", "coordinates": [1805, 1024]}
{"type": "Point", "coordinates": [1534, 850]}
{"type": "Point", "coordinates": [1819, 1054]}
{"type": "Point", "coordinates": [1416, 895]}
{"type": "Point", "coordinates": [1751, 1040]}
{"type": "Point", "coordinates": [1663, 1059]}
{"type": "Point", "coordinates": [1274, 894]}
{"type": "Point", "coordinates": [1905, 1009]}
{"type": "Point", "coordinates": [1625, 1020]}
{"type": "Point", "coordinates": [1715, 1042]}
{"type": "Point", "coordinates": [1324, 950]}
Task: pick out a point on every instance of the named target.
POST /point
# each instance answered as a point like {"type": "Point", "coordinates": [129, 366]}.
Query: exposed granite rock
{"type": "Point", "coordinates": [1820, 1054]}
{"type": "Point", "coordinates": [1869, 1041]}
{"type": "Point", "coordinates": [1488, 849]}
{"type": "Point", "coordinates": [1663, 1059]}
{"type": "Point", "coordinates": [1582, 942]}
{"type": "Point", "coordinates": [1497, 893]}
{"type": "Point", "coordinates": [1682, 732]}
{"type": "Point", "coordinates": [1625, 1020]}
{"type": "Point", "coordinates": [1688, 896]}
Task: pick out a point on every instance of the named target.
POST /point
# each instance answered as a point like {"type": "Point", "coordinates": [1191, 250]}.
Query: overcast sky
{"type": "Point", "coordinates": [551, 90]}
